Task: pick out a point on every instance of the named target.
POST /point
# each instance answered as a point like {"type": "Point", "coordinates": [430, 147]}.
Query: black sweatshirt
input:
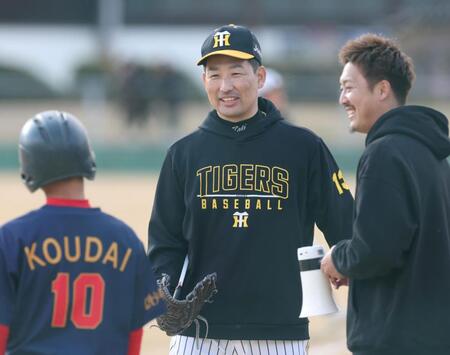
{"type": "Point", "coordinates": [399, 257]}
{"type": "Point", "coordinates": [239, 199]}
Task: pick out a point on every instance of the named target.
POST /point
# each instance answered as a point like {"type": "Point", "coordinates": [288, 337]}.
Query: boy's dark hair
{"type": "Point", "coordinates": [379, 58]}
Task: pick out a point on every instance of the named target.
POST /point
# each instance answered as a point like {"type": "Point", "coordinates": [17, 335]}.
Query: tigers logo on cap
{"type": "Point", "coordinates": [231, 40]}
{"type": "Point", "coordinates": [221, 39]}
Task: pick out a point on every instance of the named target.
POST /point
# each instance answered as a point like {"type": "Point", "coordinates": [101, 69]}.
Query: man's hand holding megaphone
{"type": "Point", "coordinates": [328, 268]}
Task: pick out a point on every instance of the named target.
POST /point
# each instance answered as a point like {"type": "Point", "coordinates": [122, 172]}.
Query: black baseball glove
{"type": "Point", "coordinates": [181, 313]}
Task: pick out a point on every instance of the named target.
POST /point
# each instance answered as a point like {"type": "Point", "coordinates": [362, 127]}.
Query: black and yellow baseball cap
{"type": "Point", "coordinates": [233, 41]}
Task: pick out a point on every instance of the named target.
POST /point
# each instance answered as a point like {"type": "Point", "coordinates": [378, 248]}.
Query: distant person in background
{"type": "Point", "coordinates": [274, 90]}
{"type": "Point", "coordinates": [73, 280]}
{"type": "Point", "coordinates": [136, 91]}
{"type": "Point", "coordinates": [398, 259]}
{"type": "Point", "coordinates": [169, 88]}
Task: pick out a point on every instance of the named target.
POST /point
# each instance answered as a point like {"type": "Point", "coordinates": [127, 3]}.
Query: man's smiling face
{"type": "Point", "coordinates": [359, 100]}
{"type": "Point", "coordinates": [232, 86]}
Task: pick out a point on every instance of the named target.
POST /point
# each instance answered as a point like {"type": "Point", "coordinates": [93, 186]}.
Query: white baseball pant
{"type": "Point", "coordinates": [183, 345]}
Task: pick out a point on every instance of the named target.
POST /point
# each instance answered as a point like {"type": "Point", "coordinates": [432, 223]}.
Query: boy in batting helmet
{"type": "Point", "coordinates": [73, 279]}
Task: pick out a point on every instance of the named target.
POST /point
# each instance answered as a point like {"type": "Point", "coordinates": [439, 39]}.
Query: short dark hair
{"type": "Point", "coordinates": [255, 64]}
{"type": "Point", "coordinates": [379, 58]}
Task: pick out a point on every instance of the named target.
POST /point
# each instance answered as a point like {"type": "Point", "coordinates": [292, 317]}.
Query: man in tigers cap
{"type": "Point", "coordinates": [239, 196]}
{"type": "Point", "coordinates": [233, 41]}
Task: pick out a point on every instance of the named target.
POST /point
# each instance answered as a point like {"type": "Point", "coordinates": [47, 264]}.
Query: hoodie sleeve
{"type": "Point", "coordinates": [384, 224]}
{"type": "Point", "coordinates": [167, 247]}
{"type": "Point", "coordinates": [330, 197]}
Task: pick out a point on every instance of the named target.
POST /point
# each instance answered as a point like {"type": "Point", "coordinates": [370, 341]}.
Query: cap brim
{"type": "Point", "coordinates": [229, 53]}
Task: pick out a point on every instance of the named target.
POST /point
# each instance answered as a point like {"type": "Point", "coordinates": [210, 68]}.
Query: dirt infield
{"type": "Point", "coordinates": [130, 197]}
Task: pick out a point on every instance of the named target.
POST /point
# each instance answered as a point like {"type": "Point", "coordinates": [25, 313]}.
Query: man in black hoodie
{"type": "Point", "coordinates": [399, 255]}
{"type": "Point", "coordinates": [239, 196]}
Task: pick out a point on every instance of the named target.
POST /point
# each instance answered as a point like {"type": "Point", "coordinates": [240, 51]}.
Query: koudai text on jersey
{"type": "Point", "coordinates": [73, 281]}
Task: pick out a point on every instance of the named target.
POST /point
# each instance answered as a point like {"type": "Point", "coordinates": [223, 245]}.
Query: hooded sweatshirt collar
{"type": "Point", "coordinates": [418, 122]}
{"type": "Point", "coordinates": [266, 116]}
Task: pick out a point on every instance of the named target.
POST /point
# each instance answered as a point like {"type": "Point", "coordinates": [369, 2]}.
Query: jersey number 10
{"type": "Point", "coordinates": [83, 316]}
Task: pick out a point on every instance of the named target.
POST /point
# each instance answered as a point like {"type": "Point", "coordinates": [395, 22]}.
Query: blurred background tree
{"type": "Point", "coordinates": [127, 67]}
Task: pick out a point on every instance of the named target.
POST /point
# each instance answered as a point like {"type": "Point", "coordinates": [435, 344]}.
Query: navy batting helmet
{"type": "Point", "coordinates": [53, 146]}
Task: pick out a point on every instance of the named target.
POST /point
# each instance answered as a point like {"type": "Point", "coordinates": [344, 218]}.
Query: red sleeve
{"type": "Point", "coordinates": [4, 332]}
{"type": "Point", "coordinates": [134, 342]}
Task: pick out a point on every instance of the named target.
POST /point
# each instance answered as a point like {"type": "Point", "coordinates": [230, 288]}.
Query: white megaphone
{"type": "Point", "coordinates": [316, 289]}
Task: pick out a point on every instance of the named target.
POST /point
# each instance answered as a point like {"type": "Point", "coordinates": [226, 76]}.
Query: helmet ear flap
{"type": "Point", "coordinates": [54, 145]}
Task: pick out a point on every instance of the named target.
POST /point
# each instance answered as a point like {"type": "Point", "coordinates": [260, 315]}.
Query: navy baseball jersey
{"type": "Point", "coordinates": [73, 280]}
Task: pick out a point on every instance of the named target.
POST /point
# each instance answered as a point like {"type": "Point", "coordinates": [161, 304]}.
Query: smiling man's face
{"type": "Point", "coordinates": [360, 101]}
{"type": "Point", "coordinates": [232, 86]}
